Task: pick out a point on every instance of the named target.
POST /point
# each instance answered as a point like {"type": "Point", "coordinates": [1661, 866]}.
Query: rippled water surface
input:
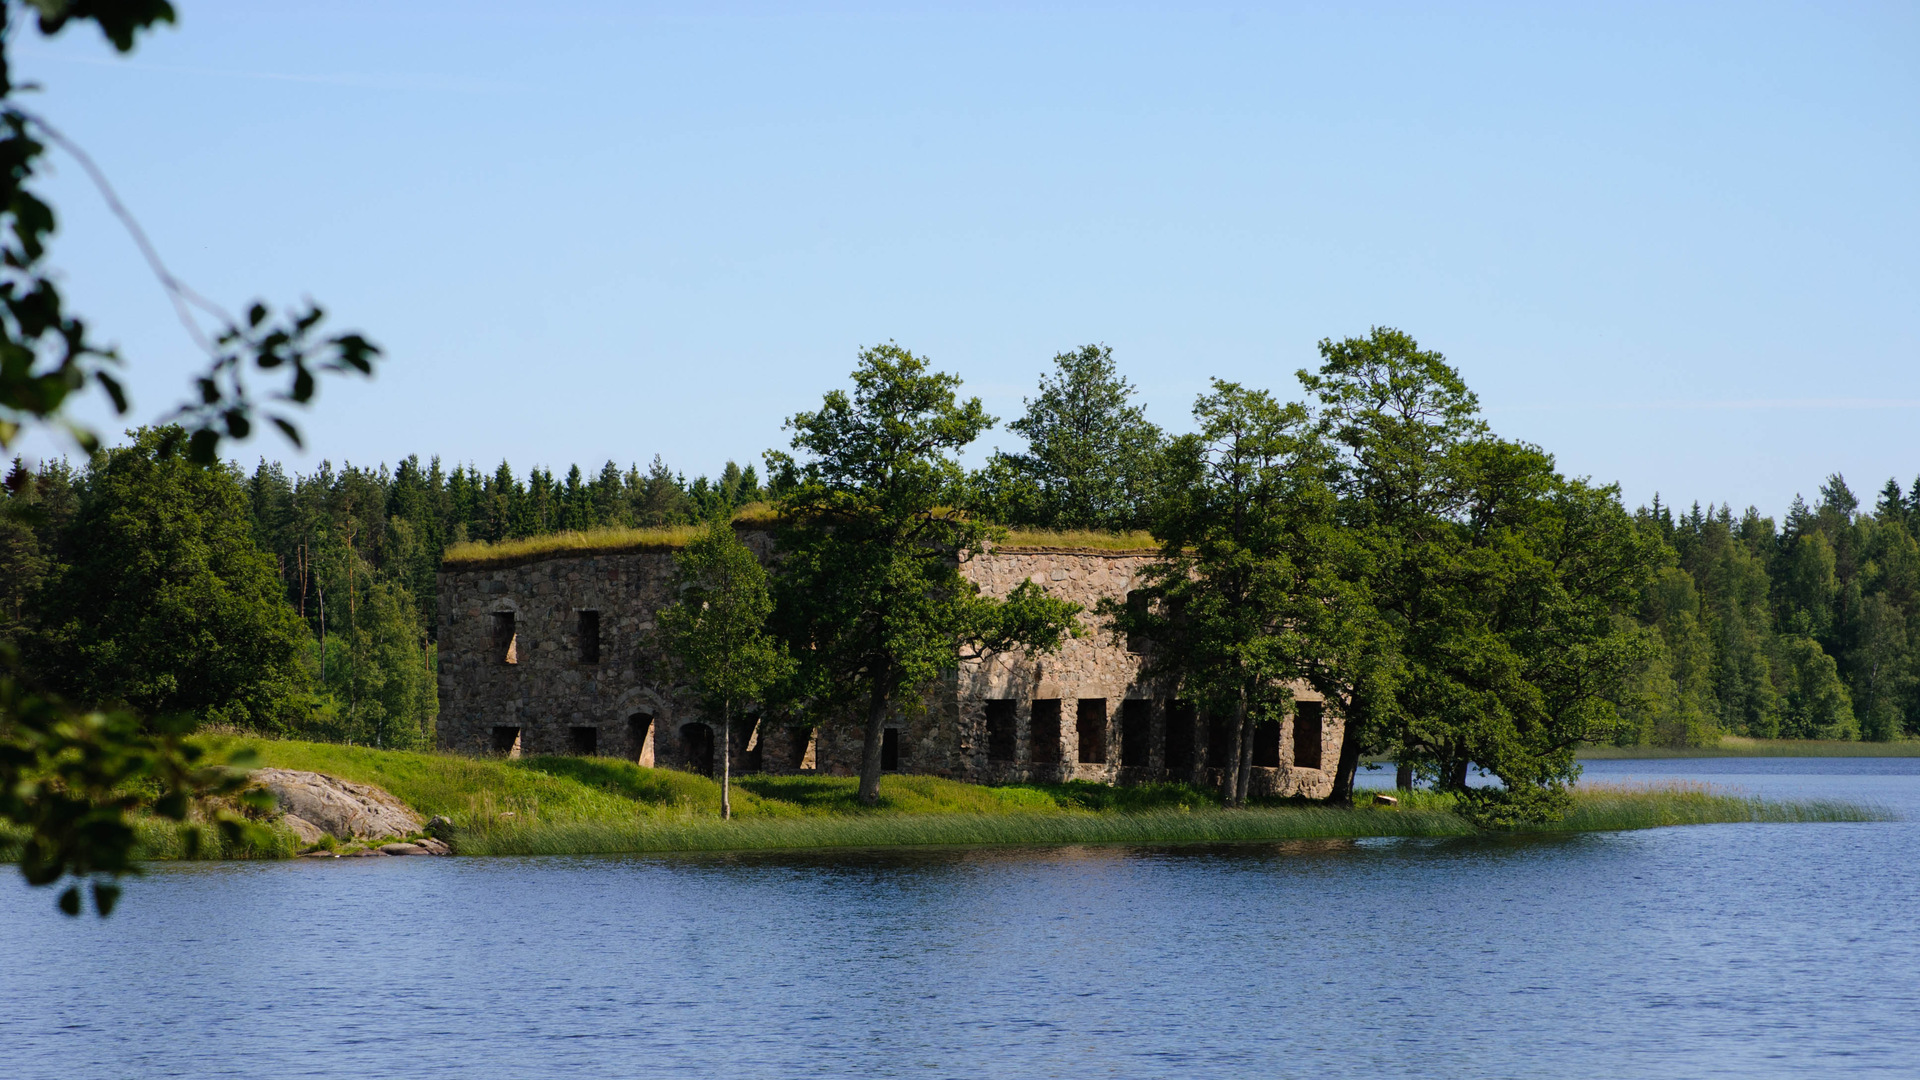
{"type": "Point", "coordinates": [1728, 950]}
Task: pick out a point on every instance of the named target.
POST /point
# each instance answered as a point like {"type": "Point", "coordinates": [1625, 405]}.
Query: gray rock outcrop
{"type": "Point", "coordinates": [314, 805]}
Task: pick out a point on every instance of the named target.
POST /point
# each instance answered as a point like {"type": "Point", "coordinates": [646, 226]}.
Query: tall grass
{"type": "Point", "coordinates": [1138, 540]}
{"type": "Point", "coordinates": [159, 838]}
{"type": "Point", "coordinates": [572, 805]}
{"type": "Point", "coordinates": [950, 830]}
{"type": "Point", "coordinates": [483, 554]}
{"type": "Point", "coordinates": [1612, 807]}
{"type": "Point", "coordinates": [480, 554]}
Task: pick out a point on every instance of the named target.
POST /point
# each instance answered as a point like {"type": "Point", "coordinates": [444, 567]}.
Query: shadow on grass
{"type": "Point", "coordinates": [623, 778]}
{"type": "Point", "coordinates": [1089, 795]}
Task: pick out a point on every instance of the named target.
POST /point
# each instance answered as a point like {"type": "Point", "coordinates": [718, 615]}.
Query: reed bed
{"type": "Point", "coordinates": [954, 830]}
{"type": "Point", "coordinates": [164, 840]}
{"type": "Point", "coordinates": [1603, 807]}
{"type": "Point", "coordinates": [574, 806]}
{"type": "Point", "coordinates": [1421, 815]}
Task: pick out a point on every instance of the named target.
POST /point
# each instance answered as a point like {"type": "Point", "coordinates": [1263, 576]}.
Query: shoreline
{"type": "Point", "coordinates": [1733, 746]}
{"type": "Point", "coordinates": [1609, 810]}
{"type": "Point", "coordinates": [579, 806]}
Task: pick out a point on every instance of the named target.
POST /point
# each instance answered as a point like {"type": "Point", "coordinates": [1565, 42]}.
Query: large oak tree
{"type": "Point", "coordinates": [870, 596]}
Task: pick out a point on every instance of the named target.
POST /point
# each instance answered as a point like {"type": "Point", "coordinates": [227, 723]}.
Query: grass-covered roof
{"type": "Point", "coordinates": [482, 555]}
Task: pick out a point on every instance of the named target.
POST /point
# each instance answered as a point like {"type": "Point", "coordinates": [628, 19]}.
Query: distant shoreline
{"type": "Point", "coordinates": [1736, 747]}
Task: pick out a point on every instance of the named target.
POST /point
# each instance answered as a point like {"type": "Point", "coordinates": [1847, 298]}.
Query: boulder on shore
{"type": "Point", "coordinates": [314, 805]}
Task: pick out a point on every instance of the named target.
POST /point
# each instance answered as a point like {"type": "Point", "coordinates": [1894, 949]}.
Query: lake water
{"type": "Point", "coordinates": [1726, 950]}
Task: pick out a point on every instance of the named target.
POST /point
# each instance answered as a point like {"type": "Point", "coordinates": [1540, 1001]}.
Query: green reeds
{"type": "Point", "coordinates": [1608, 809]}
{"type": "Point", "coordinates": [953, 830]}
{"type": "Point", "coordinates": [161, 839]}
{"type": "Point", "coordinates": [1614, 807]}
{"type": "Point", "coordinates": [573, 805]}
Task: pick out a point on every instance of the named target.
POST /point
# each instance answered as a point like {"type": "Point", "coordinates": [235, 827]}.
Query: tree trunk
{"type": "Point", "coordinates": [1236, 745]}
{"type": "Point", "coordinates": [1342, 793]}
{"type": "Point", "coordinates": [1403, 776]}
{"type": "Point", "coordinates": [870, 754]}
{"type": "Point", "coordinates": [726, 760]}
{"type": "Point", "coordinates": [1457, 774]}
{"type": "Point", "coordinates": [1244, 777]}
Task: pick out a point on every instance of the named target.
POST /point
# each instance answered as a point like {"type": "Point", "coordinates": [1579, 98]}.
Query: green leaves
{"type": "Point", "coordinates": [718, 627]}
{"type": "Point", "coordinates": [1242, 600]}
{"type": "Point", "coordinates": [45, 354]}
{"type": "Point", "coordinates": [168, 604]}
{"type": "Point", "coordinates": [72, 778]}
{"type": "Point", "coordinates": [1494, 586]}
{"type": "Point", "coordinates": [227, 405]}
{"type": "Point", "coordinates": [119, 20]}
{"type": "Point", "coordinates": [870, 597]}
{"type": "Point", "coordinates": [1090, 452]}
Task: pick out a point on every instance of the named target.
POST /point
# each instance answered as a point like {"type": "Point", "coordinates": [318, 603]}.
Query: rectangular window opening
{"type": "Point", "coordinates": [1001, 740]}
{"type": "Point", "coordinates": [584, 741]}
{"type": "Point", "coordinates": [1136, 718]}
{"type": "Point", "coordinates": [506, 740]}
{"type": "Point", "coordinates": [1307, 718]}
{"type": "Point", "coordinates": [1043, 732]}
{"type": "Point", "coordinates": [1266, 744]}
{"type": "Point", "coordinates": [1136, 608]}
{"type": "Point", "coordinates": [589, 637]}
{"type": "Point", "coordinates": [1180, 725]}
{"type": "Point", "coordinates": [1090, 726]}
{"type": "Point", "coordinates": [890, 750]}
{"type": "Point", "coordinates": [505, 649]}
{"type": "Point", "coordinates": [1219, 736]}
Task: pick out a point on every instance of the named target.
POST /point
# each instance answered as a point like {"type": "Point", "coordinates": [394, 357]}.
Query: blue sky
{"type": "Point", "coordinates": [1678, 245]}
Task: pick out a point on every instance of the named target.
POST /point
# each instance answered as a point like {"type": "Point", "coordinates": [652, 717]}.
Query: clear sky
{"type": "Point", "coordinates": [1678, 245]}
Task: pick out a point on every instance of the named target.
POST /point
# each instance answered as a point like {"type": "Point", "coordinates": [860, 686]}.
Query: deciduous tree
{"type": "Point", "coordinates": [1242, 596]}
{"type": "Point", "coordinates": [718, 630]}
{"type": "Point", "coordinates": [870, 596]}
{"type": "Point", "coordinates": [47, 355]}
{"type": "Point", "coordinates": [165, 602]}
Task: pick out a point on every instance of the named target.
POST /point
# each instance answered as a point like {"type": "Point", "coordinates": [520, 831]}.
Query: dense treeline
{"type": "Point", "coordinates": [305, 603]}
{"type": "Point", "coordinates": [1801, 630]}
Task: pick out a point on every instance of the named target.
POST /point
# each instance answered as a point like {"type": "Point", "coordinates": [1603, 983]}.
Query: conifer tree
{"type": "Point", "coordinates": [1090, 451]}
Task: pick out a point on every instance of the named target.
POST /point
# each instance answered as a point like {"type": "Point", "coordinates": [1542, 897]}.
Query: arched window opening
{"type": "Point", "coordinates": [696, 748]}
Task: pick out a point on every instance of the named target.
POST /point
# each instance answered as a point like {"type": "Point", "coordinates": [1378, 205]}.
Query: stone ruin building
{"type": "Point", "coordinates": [556, 654]}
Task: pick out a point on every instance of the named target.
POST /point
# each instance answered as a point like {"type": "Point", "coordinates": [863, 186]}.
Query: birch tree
{"type": "Point", "coordinates": [718, 629]}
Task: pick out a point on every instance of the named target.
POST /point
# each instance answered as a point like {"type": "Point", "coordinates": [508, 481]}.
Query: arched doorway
{"type": "Point", "coordinates": [696, 748]}
{"type": "Point", "coordinates": [640, 738]}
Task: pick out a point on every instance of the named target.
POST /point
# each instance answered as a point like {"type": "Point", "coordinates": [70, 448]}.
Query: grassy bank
{"type": "Point", "coordinates": [568, 805]}
{"type": "Point", "coordinates": [1736, 746]}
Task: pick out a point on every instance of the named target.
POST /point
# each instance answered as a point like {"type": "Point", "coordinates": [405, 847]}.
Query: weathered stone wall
{"type": "Point", "coordinates": [541, 685]}
{"type": "Point", "coordinates": [548, 688]}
